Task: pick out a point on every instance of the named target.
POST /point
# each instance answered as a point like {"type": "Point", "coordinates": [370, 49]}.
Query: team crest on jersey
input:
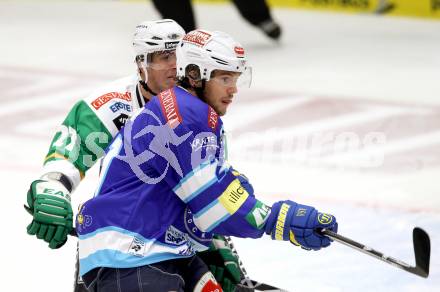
{"type": "Point", "coordinates": [83, 220]}
{"type": "Point", "coordinates": [169, 107]}
{"type": "Point", "coordinates": [197, 37]}
{"type": "Point", "coordinates": [193, 230]}
{"type": "Point", "coordinates": [103, 99]}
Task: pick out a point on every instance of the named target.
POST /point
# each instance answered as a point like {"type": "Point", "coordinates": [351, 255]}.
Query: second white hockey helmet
{"type": "Point", "coordinates": [212, 51]}
{"type": "Point", "coordinates": [156, 36]}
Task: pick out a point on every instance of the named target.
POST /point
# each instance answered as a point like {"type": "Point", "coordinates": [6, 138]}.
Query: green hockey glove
{"type": "Point", "coordinates": [222, 263]}
{"type": "Point", "coordinates": [49, 204]}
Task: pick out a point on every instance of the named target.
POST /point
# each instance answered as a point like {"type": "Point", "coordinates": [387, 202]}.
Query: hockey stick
{"type": "Point", "coordinates": [246, 283]}
{"type": "Point", "coordinates": [422, 251]}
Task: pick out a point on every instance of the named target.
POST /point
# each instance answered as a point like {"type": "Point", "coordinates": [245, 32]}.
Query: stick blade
{"type": "Point", "coordinates": [422, 250]}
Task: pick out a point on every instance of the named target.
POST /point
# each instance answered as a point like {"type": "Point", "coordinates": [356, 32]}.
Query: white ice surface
{"type": "Point", "coordinates": [331, 74]}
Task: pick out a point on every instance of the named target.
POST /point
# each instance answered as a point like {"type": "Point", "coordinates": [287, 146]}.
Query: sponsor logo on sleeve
{"type": "Point", "coordinates": [258, 215]}
{"type": "Point", "coordinates": [212, 119]}
{"type": "Point", "coordinates": [169, 107]}
{"type": "Point", "coordinates": [197, 37]}
{"type": "Point", "coordinates": [117, 106]}
{"type": "Point", "coordinates": [103, 99]}
{"type": "Point", "coordinates": [233, 197]}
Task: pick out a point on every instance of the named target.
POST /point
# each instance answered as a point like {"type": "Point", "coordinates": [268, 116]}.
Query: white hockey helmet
{"type": "Point", "coordinates": [212, 51]}
{"type": "Point", "coordinates": [156, 36]}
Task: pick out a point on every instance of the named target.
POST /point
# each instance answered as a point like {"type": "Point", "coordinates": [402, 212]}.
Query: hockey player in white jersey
{"type": "Point", "coordinates": [91, 125]}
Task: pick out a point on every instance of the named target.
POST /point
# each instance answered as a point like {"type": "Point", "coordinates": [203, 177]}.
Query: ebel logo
{"type": "Point", "coordinates": [171, 45]}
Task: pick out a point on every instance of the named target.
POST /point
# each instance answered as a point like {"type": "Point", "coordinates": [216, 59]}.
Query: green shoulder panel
{"type": "Point", "coordinates": [81, 139]}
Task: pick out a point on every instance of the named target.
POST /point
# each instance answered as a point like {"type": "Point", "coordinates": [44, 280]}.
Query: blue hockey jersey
{"type": "Point", "coordinates": [165, 188]}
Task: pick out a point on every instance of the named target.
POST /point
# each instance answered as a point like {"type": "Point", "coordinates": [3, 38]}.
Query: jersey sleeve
{"type": "Point", "coordinates": [191, 154]}
{"type": "Point", "coordinates": [79, 142]}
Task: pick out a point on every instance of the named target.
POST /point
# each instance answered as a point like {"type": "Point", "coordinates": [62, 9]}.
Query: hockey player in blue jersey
{"type": "Point", "coordinates": [167, 187]}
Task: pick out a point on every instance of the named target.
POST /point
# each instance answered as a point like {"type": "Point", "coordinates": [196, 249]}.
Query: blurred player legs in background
{"type": "Point", "coordinates": [256, 12]}
{"type": "Point", "coordinates": [384, 6]}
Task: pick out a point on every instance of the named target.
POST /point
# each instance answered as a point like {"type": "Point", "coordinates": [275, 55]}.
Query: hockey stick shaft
{"type": "Point", "coordinates": [420, 271]}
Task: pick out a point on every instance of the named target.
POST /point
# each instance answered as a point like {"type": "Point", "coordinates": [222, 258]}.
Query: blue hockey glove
{"type": "Point", "coordinates": [298, 223]}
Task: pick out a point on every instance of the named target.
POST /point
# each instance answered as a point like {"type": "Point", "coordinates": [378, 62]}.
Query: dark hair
{"type": "Point", "coordinates": [193, 71]}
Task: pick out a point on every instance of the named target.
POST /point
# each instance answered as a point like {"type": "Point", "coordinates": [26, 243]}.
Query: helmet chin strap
{"type": "Point", "coordinates": [143, 83]}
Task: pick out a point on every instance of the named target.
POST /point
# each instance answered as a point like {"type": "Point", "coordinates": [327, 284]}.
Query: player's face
{"type": "Point", "coordinates": [162, 71]}
{"type": "Point", "coordinates": [220, 90]}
